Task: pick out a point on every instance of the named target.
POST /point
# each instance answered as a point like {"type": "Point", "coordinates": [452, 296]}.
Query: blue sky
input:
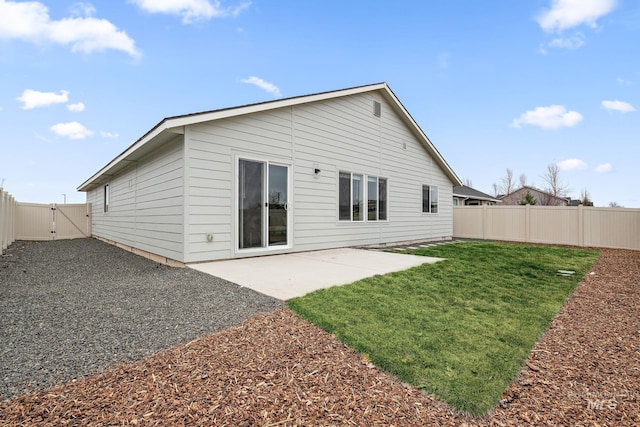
{"type": "Point", "coordinates": [495, 84]}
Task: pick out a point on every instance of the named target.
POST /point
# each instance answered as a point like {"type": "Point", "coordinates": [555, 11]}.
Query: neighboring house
{"type": "Point", "coordinates": [464, 195]}
{"type": "Point", "coordinates": [334, 169]}
{"type": "Point", "coordinates": [541, 197]}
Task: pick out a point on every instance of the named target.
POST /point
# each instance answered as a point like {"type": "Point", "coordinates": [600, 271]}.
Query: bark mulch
{"type": "Point", "coordinates": [276, 369]}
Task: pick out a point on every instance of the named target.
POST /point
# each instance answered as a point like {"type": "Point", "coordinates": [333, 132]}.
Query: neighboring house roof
{"type": "Point", "coordinates": [471, 193]}
{"type": "Point", "coordinates": [536, 192]}
{"type": "Point", "coordinates": [167, 128]}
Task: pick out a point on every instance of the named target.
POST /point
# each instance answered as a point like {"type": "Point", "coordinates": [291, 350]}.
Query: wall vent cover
{"type": "Point", "coordinates": [377, 108]}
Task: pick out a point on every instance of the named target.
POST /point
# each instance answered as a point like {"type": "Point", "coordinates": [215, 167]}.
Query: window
{"type": "Point", "coordinates": [354, 189]}
{"type": "Point", "coordinates": [382, 199]}
{"type": "Point", "coordinates": [344, 202]}
{"type": "Point", "coordinates": [357, 199]}
{"type": "Point", "coordinates": [377, 198]}
{"type": "Point", "coordinates": [107, 197]}
{"type": "Point", "coordinates": [429, 199]}
{"type": "Point", "coordinates": [372, 196]}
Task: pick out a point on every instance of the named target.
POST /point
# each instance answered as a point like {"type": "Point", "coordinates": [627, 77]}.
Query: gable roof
{"type": "Point", "coordinates": [535, 190]}
{"type": "Point", "coordinates": [168, 127]}
{"type": "Point", "coordinates": [472, 193]}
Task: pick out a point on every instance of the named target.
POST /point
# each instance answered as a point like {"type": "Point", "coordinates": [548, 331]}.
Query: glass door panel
{"type": "Point", "coordinates": [278, 197]}
{"type": "Point", "coordinates": [250, 204]}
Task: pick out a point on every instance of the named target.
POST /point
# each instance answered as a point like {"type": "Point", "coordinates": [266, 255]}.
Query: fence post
{"type": "Point", "coordinates": [484, 222]}
{"type": "Point", "coordinates": [580, 225]}
{"type": "Point", "coordinates": [3, 215]}
{"type": "Point", "coordinates": [12, 219]}
{"type": "Point", "coordinates": [527, 223]}
{"type": "Point", "coordinates": [7, 220]}
{"type": "Point", "coordinates": [88, 216]}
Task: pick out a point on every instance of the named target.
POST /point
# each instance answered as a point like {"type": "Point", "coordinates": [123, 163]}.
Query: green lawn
{"type": "Point", "coordinates": [461, 328]}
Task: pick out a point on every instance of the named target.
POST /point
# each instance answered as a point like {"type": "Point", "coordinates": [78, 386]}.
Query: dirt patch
{"type": "Point", "coordinates": [276, 369]}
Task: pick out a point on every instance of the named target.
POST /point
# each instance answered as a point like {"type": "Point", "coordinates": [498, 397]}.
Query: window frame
{"type": "Point", "coordinates": [360, 192]}
{"type": "Point", "coordinates": [362, 211]}
{"type": "Point", "coordinates": [432, 205]}
{"type": "Point", "coordinates": [107, 198]}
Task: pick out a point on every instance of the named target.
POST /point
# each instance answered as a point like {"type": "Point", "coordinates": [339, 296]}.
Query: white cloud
{"type": "Point", "coordinates": [106, 134]}
{"type": "Point", "coordinates": [82, 9]}
{"type": "Point", "coordinates": [34, 99]}
{"type": "Point", "coordinates": [622, 81]}
{"type": "Point", "coordinates": [572, 165]}
{"type": "Point", "coordinates": [269, 87]}
{"type": "Point", "coordinates": [71, 130]}
{"type": "Point", "coordinates": [603, 168]}
{"type": "Point", "coordinates": [565, 14]}
{"type": "Point", "coordinates": [237, 10]}
{"type": "Point", "coordinates": [571, 43]}
{"type": "Point", "coordinates": [30, 21]}
{"type": "Point", "coordinates": [623, 107]}
{"type": "Point", "coordinates": [190, 10]}
{"type": "Point", "coordinates": [551, 117]}
{"type": "Point", "coordinates": [77, 107]}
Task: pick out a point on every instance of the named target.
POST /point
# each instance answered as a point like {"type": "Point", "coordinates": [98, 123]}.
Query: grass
{"type": "Point", "coordinates": [460, 329]}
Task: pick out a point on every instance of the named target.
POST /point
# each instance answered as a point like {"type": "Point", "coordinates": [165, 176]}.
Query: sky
{"type": "Point", "coordinates": [495, 85]}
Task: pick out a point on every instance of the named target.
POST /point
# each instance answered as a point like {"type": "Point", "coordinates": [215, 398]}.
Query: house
{"type": "Point", "coordinates": [541, 197]}
{"type": "Point", "coordinates": [464, 195]}
{"type": "Point", "coordinates": [334, 169]}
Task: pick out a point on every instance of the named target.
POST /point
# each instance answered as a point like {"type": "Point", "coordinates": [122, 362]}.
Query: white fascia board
{"type": "Point", "coordinates": [123, 156]}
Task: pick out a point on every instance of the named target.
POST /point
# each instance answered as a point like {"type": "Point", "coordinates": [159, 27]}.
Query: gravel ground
{"type": "Point", "coordinates": [70, 308]}
{"type": "Point", "coordinates": [278, 370]}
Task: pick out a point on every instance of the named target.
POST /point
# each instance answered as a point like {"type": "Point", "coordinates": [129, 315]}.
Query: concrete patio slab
{"type": "Point", "coordinates": [293, 275]}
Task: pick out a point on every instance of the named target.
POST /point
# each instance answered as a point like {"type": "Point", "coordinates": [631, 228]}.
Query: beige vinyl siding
{"type": "Point", "coordinates": [344, 135]}
{"type": "Point", "coordinates": [335, 135]}
{"type": "Point", "coordinates": [212, 149]}
{"type": "Point", "coordinates": [146, 206]}
{"type": "Point", "coordinates": [180, 202]}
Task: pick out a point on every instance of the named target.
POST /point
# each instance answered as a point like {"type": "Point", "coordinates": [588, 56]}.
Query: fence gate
{"type": "Point", "coordinates": [52, 222]}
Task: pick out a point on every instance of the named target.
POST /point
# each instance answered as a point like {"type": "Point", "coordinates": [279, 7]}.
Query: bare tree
{"type": "Point", "coordinates": [508, 184]}
{"type": "Point", "coordinates": [555, 186]}
{"type": "Point", "coordinates": [585, 198]}
{"type": "Point", "coordinates": [615, 205]}
{"type": "Point", "coordinates": [467, 182]}
{"type": "Point", "coordinates": [496, 189]}
{"type": "Point", "coordinates": [522, 180]}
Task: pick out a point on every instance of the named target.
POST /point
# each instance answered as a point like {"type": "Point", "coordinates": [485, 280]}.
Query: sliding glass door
{"type": "Point", "coordinates": [263, 191]}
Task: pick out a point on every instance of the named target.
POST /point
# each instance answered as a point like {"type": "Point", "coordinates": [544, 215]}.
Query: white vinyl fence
{"type": "Point", "coordinates": [563, 225]}
{"type": "Point", "coordinates": [52, 222]}
{"type": "Point", "coordinates": [7, 220]}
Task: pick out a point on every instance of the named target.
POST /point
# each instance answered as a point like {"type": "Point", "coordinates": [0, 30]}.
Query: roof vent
{"type": "Point", "coordinates": [377, 108]}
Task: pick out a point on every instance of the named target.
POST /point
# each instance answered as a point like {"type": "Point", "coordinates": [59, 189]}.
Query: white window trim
{"type": "Point", "coordinates": [236, 219]}
{"type": "Point", "coordinates": [365, 183]}
{"type": "Point", "coordinates": [106, 194]}
{"type": "Point", "coordinates": [431, 188]}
